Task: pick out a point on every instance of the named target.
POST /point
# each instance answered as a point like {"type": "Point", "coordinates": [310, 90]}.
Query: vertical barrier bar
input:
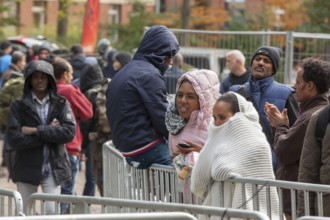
{"type": "Point", "coordinates": [293, 203]}
{"type": "Point", "coordinates": [306, 202]}
{"type": "Point", "coordinates": [289, 51]}
{"type": "Point", "coordinates": [319, 203]}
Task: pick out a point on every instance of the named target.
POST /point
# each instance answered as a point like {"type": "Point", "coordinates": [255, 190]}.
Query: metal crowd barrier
{"type": "Point", "coordinates": [160, 183]}
{"type": "Point", "coordinates": [295, 187]}
{"type": "Point", "coordinates": [11, 203]}
{"type": "Point", "coordinates": [83, 204]}
{"type": "Point", "coordinates": [122, 216]}
{"type": "Point", "coordinates": [313, 218]}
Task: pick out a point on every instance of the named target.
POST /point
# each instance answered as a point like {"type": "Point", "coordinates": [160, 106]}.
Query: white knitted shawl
{"type": "Point", "coordinates": [236, 148]}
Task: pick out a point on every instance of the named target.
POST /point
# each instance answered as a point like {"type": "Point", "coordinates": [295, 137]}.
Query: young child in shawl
{"type": "Point", "coordinates": [236, 146]}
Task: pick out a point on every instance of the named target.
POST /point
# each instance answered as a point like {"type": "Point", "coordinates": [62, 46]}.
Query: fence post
{"type": "Point", "coordinates": [288, 57]}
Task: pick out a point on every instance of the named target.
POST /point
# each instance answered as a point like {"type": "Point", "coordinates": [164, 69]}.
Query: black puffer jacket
{"type": "Point", "coordinates": [30, 148]}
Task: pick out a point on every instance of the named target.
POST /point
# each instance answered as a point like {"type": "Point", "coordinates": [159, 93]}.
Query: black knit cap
{"type": "Point", "coordinates": [123, 58]}
{"type": "Point", "coordinates": [274, 53]}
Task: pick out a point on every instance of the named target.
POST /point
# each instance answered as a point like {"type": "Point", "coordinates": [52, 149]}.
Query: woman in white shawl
{"type": "Point", "coordinates": [236, 146]}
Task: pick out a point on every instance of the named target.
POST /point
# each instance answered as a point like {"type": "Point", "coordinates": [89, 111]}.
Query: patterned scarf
{"type": "Point", "coordinates": [174, 122]}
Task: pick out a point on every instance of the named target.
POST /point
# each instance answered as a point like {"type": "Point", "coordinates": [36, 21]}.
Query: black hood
{"type": "Point", "coordinates": [41, 66]}
{"type": "Point", "coordinates": [78, 61]}
{"type": "Point", "coordinates": [90, 76]}
{"type": "Point", "coordinates": [45, 46]}
{"type": "Point", "coordinates": [157, 44]}
{"type": "Point", "coordinates": [123, 58]}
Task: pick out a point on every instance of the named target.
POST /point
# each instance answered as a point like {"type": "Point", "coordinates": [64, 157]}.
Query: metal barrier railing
{"type": "Point", "coordinates": [207, 49]}
{"type": "Point", "coordinates": [11, 203]}
{"type": "Point", "coordinates": [158, 183]}
{"type": "Point", "coordinates": [313, 218]}
{"type": "Point", "coordinates": [82, 204]}
{"type": "Point", "coordinates": [122, 216]}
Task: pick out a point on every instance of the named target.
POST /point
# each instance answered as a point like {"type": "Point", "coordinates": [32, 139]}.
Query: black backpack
{"type": "Point", "coordinates": [321, 124]}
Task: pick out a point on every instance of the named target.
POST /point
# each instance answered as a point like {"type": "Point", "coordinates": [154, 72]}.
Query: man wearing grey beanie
{"type": "Point", "coordinates": [262, 88]}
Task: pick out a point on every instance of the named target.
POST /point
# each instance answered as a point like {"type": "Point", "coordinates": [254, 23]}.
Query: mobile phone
{"type": "Point", "coordinates": [184, 145]}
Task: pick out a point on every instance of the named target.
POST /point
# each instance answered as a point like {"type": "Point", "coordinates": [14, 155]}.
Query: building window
{"type": "Point", "coordinates": [113, 14]}
{"type": "Point", "coordinates": [114, 18]}
{"type": "Point", "coordinates": [39, 18]}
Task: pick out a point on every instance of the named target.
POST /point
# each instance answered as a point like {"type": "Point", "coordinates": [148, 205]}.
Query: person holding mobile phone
{"type": "Point", "coordinates": [187, 119]}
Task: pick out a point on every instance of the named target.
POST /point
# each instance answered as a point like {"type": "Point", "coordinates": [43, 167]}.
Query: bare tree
{"type": "Point", "coordinates": [62, 22]}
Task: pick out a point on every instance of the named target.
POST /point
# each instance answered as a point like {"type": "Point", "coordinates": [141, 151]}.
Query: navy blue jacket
{"type": "Point", "coordinates": [136, 96]}
{"type": "Point", "coordinates": [268, 90]}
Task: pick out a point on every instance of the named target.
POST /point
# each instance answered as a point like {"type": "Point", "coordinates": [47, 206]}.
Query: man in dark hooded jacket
{"type": "Point", "coordinates": [136, 101]}
{"type": "Point", "coordinates": [39, 124]}
{"type": "Point", "coordinates": [77, 60]}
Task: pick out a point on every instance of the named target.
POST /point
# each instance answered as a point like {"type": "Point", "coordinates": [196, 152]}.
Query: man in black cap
{"type": "Point", "coordinates": [262, 88]}
{"type": "Point", "coordinates": [39, 125]}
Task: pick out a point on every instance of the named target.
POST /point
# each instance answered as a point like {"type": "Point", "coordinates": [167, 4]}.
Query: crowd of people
{"type": "Point", "coordinates": [57, 117]}
{"type": "Point", "coordinates": [249, 125]}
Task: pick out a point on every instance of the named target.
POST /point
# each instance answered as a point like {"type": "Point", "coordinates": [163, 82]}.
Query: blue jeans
{"type": "Point", "coordinates": [67, 187]}
{"type": "Point", "coordinates": [90, 184]}
{"type": "Point", "coordinates": [158, 154]}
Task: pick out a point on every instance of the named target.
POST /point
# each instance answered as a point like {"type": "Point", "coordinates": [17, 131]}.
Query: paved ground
{"type": "Point", "coordinates": [4, 183]}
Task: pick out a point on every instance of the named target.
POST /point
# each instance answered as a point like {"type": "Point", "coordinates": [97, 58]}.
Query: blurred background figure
{"type": "Point", "coordinates": [172, 74]}
{"type": "Point", "coordinates": [44, 51]}
{"type": "Point", "coordinates": [90, 84]}
{"type": "Point", "coordinates": [17, 65]}
{"type": "Point", "coordinates": [33, 53]}
{"type": "Point", "coordinates": [235, 62]}
{"type": "Point", "coordinates": [5, 58]}
{"type": "Point", "coordinates": [107, 52]}
{"type": "Point", "coordinates": [77, 60]}
{"type": "Point", "coordinates": [120, 60]}
{"type": "Point", "coordinates": [13, 82]}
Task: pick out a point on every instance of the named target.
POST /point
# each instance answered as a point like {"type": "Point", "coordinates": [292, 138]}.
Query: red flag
{"type": "Point", "coordinates": [91, 26]}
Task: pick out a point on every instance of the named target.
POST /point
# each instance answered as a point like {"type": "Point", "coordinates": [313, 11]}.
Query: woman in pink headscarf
{"type": "Point", "coordinates": [187, 120]}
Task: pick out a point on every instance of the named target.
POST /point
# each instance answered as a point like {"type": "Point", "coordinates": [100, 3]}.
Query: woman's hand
{"type": "Point", "coordinates": [194, 147]}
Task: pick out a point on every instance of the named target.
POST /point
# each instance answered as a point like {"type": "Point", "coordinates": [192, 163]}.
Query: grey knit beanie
{"type": "Point", "coordinates": [274, 53]}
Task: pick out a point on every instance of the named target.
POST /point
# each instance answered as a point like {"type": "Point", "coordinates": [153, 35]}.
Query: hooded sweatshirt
{"type": "Point", "coordinates": [136, 96]}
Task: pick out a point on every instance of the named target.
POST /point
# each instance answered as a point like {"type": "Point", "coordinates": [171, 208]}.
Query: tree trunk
{"type": "Point", "coordinates": [62, 22]}
{"type": "Point", "coordinates": [185, 14]}
{"type": "Point", "coordinates": [185, 21]}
